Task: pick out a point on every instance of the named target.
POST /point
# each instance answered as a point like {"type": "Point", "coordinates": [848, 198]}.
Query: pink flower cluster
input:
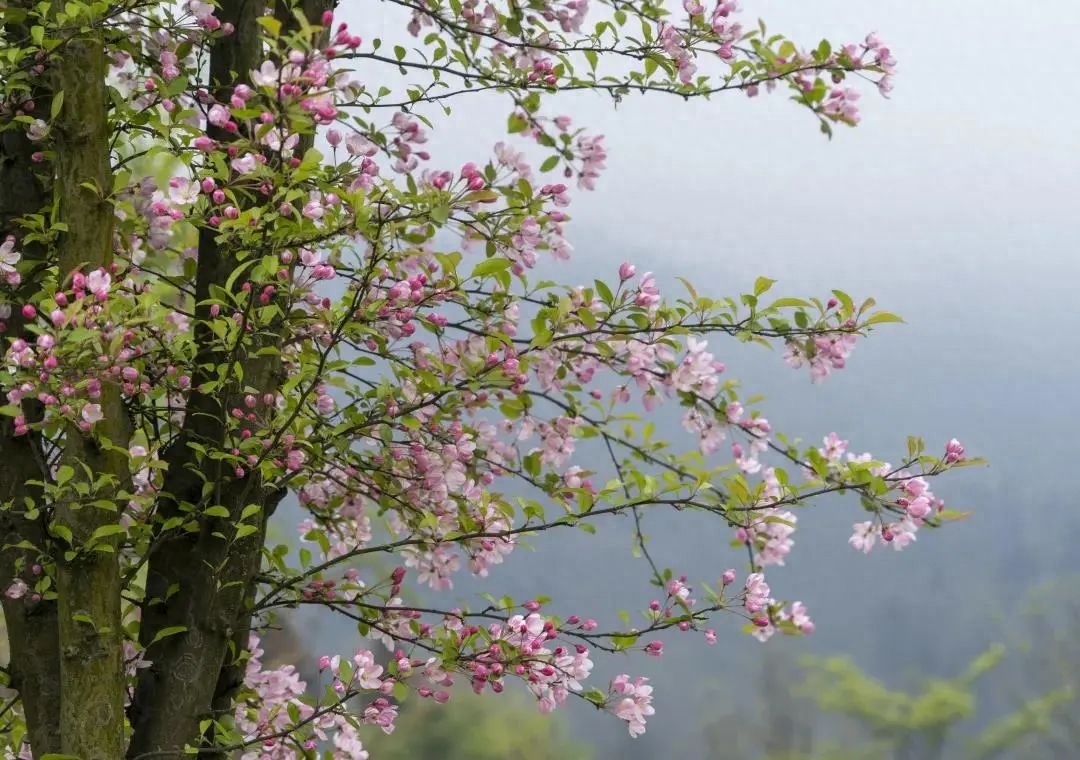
{"type": "Point", "coordinates": [769, 530]}
{"type": "Point", "coordinates": [823, 353]}
{"type": "Point", "coordinates": [56, 371]}
{"type": "Point", "coordinates": [632, 702]}
{"type": "Point", "coordinates": [550, 674]}
{"type": "Point", "coordinates": [275, 708]}
{"type": "Point", "coordinates": [915, 503]}
{"type": "Point", "coordinates": [767, 615]}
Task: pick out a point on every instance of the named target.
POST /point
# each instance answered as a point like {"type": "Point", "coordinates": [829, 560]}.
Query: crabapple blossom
{"type": "Point", "coordinates": [9, 256]}
{"type": "Point", "coordinates": [634, 703]}
{"type": "Point", "coordinates": [203, 315]}
{"type": "Point", "coordinates": [864, 537]}
{"type": "Point", "coordinates": [17, 589]}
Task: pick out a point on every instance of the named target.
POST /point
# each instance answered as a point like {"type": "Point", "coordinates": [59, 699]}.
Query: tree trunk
{"type": "Point", "coordinates": [31, 624]}
{"type": "Point", "coordinates": [200, 580]}
{"type": "Point", "coordinates": [88, 575]}
{"type": "Point", "coordinates": [32, 630]}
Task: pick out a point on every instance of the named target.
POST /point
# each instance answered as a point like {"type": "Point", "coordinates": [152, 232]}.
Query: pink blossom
{"type": "Point", "coordinates": [841, 105]}
{"type": "Point", "coordinates": [218, 115]}
{"type": "Point", "coordinates": [834, 448]}
{"type": "Point", "coordinates": [204, 13]}
{"type": "Point", "coordinates": [757, 593]}
{"type": "Point", "coordinates": [294, 460]}
{"type": "Point", "coordinates": [98, 282]}
{"type": "Point", "coordinates": [37, 130]}
{"type": "Point", "coordinates": [593, 154]}
{"type": "Point", "coordinates": [901, 534]}
{"type": "Point", "coordinates": [799, 617]}
{"type": "Point", "coordinates": [266, 75]}
{"type": "Point", "coordinates": [634, 702]}
{"type": "Point", "coordinates": [919, 507]}
{"type": "Point", "coordinates": [697, 373]}
{"type": "Point", "coordinates": [864, 536]}
{"type": "Point", "coordinates": [313, 209]}
{"type": "Point", "coordinates": [246, 164]}
{"type": "Point", "coordinates": [9, 257]}
{"type": "Point", "coordinates": [648, 294]}
{"type": "Point", "coordinates": [368, 674]}
{"type": "Point", "coordinates": [954, 452]}
{"type": "Point", "coordinates": [91, 414]}
{"type": "Point", "coordinates": [17, 589]}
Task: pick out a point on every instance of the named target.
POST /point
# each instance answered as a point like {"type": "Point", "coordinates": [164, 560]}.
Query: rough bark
{"type": "Point", "coordinates": [88, 578]}
{"type": "Point", "coordinates": [202, 580]}
{"type": "Point", "coordinates": [231, 677]}
{"type": "Point", "coordinates": [199, 579]}
{"type": "Point", "coordinates": [31, 625]}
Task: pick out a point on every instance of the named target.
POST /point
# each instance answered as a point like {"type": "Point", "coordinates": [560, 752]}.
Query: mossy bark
{"type": "Point", "coordinates": [87, 573]}
{"type": "Point", "coordinates": [32, 630]}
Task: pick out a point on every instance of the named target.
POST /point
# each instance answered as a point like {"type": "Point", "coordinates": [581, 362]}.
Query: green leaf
{"type": "Point", "coordinates": [172, 630]}
{"type": "Point", "coordinates": [491, 266]}
{"type": "Point", "coordinates": [788, 303]}
{"type": "Point", "coordinates": [845, 301]}
{"type": "Point", "coordinates": [64, 473]}
{"type": "Point", "coordinates": [882, 317]}
{"type": "Point", "coordinates": [270, 24]}
{"type": "Point", "coordinates": [61, 531]}
{"type": "Point", "coordinates": [624, 642]}
{"type": "Point", "coordinates": [762, 284]}
{"type": "Point", "coordinates": [549, 163]}
{"type": "Point", "coordinates": [515, 124]}
{"type": "Point", "coordinates": [482, 196]}
{"type": "Point", "coordinates": [217, 511]}
{"type": "Point", "coordinates": [108, 530]}
{"type": "Point", "coordinates": [604, 291]}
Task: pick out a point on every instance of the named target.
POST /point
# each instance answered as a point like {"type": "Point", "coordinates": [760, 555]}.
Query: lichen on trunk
{"type": "Point", "coordinates": [31, 623]}
{"type": "Point", "coordinates": [88, 580]}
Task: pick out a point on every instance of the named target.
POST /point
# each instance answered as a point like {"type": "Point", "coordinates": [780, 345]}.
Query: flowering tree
{"type": "Point", "coordinates": [232, 273]}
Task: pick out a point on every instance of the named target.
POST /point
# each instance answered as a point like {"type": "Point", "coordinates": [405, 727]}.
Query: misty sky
{"type": "Point", "coordinates": [954, 203]}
